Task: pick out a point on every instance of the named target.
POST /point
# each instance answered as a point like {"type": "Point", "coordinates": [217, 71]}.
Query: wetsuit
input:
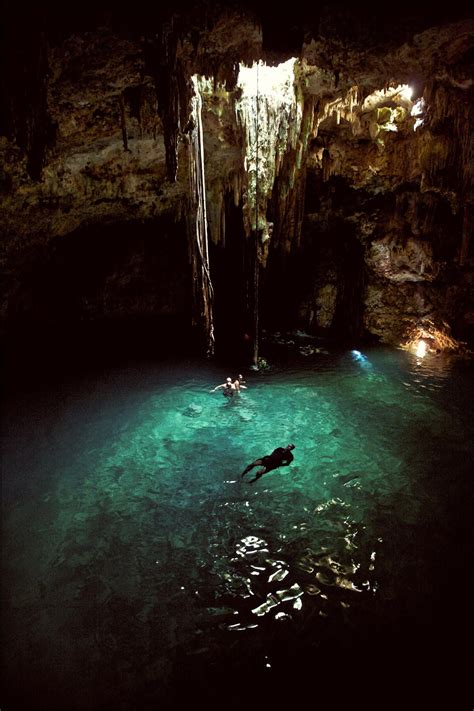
{"type": "Point", "coordinates": [281, 456]}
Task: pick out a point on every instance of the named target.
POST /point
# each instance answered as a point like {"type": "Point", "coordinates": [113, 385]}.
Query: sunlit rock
{"type": "Point", "coordinates": [402, 260]}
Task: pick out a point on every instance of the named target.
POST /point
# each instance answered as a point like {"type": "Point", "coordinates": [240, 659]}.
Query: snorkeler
{"type": "Point", "coordinates": [280, 457]}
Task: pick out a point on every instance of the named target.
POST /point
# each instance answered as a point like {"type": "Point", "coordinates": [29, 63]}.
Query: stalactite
{"type": "Point", "coordinates": [237, 188]}
{"type": "Point", "coordinates": [135, 97]}
{"type": "Point", "coordinates": [271, 121]}
{"type": "Point", "coordinates": [222, 221]}
{"type": "Point", "coordinates": [172, 89]}
{"type": "Point", "coordinates": [466, 234]}
{"type": "Point", "coordinates": [123, 122]}
{"type": "Point", "coordinates": [197, 227]}
{"type": "Point", "coordinates": [429, 203]}
{"type": "Point", "coordinates": [288, 196]}
{"type": "Point", "coordinates": [277, 120]}
{"type": "Point", "coordinates": [215, 207]}
{"type": "Point", "coordinates": [283, 124]}
{"type": "Point", "coordinates": [447, 104]}
{"type": "Point", "coordinates": [447, 159]}
{"type": "Point", "coordinates": [326, 160]}
{"type": "Point", "coordinates": [24, 89]}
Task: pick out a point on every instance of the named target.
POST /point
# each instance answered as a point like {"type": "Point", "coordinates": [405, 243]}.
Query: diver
{"type": "Point", "coordinates": [280, 457]}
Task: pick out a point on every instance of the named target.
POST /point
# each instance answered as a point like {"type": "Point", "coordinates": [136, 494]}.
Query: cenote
{"type": "Point", "coordinates": [141, 572]}
{"type": "Point", "coordinates": [193, 191]}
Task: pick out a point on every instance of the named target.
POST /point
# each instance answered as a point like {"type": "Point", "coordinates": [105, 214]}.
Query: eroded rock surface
{"type": "Point", "coordinates": [369, 204]}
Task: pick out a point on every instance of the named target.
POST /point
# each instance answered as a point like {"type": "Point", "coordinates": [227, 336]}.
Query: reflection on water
{"type": "Point", "coordinates": [140, 571]}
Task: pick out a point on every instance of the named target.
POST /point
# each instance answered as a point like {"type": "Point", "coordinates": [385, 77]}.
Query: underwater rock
{"type": "Point", "coordinates": [346, 478]}
{"type": "Point", "coordinates": [246, 415]}
{"type": "Point", "coordinates": [193, 410]}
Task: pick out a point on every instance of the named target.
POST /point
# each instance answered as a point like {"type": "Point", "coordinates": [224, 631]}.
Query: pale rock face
{"type": "Point", "coordinates": [402, 261]}
{"type": "Point", "coordinates": [326, 305]}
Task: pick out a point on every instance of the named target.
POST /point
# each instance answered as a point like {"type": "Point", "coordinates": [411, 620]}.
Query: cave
{"type": "Point", "coordinates": [369, 137]}
{"type": "Point", "coordinates": [190, 191]}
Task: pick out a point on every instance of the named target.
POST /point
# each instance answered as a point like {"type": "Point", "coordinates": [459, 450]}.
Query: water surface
{"type": "Point", "coordinates": [141, 572]}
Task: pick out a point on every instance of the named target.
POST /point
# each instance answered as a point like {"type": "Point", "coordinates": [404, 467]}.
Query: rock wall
{"type": "Point", "coordinates": [370, 211]}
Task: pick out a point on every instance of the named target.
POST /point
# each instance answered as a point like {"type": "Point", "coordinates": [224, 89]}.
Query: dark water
{"type": "Point", "coordinates": [140, 572]}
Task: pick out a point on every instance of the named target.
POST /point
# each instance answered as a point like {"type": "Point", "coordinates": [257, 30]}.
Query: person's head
{"type": "Point", "coordinates": [290, 446]}
{"type": "Point", "coordinates": [240, 377]}
{"type": "Point", "coordinates": [229, 380]}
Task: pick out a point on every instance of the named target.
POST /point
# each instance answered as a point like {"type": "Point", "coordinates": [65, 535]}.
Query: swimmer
{"type": "Point", "coordinates": [239, 383]}
{"type": "Point", "coordinates": [280, 457]}
{"type": "Point", "coordinates": [228, 388]}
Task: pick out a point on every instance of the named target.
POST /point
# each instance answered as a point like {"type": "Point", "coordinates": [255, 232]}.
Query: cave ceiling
{"type": "Point", "coordinates": [95, 113]}
{"type": "Point", "coordinates": [84, 81]}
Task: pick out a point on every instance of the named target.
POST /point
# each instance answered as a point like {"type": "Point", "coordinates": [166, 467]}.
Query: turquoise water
{"type": "Point", "coordinates": [141, 572]}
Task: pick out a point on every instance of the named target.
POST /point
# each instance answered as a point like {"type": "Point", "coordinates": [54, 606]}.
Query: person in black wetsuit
{"type": "Point", "coordinates": [280, 457]}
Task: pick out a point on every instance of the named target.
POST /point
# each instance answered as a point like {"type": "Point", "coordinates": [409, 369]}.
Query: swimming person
{"type": "Point", "coordinates": [228, 387]}
{"type": "Point", "coordinates": [239, 383]}
{"type": "Point", "coordinates": [280, 457]}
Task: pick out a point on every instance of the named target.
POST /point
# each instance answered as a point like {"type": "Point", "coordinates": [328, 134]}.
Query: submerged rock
{"type": "Point", "coordinates": [192, 410]}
